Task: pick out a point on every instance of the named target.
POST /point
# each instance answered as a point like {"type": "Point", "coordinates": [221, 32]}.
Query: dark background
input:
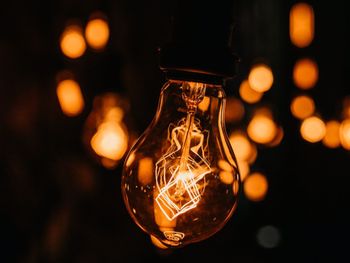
{"type": "Point", "coordinates": [59, 205]}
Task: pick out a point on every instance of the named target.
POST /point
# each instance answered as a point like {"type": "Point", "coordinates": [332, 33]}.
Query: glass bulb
{"type": "Point", "coordinates": [180, 180]}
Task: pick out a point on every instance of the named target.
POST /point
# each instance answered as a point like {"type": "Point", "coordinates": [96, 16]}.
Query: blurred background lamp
{"type": "Point", "coordinates": [313, 129]}
{"type": "Point", "coordinates": [305, 73]}
{"type": "Point", "coordinates": [255, 187]}
{"type": "Point", "coordinates": [97, 33]}
{"type": "Point", "coordinates": [260, 78]}
{"type": "Point", "coordinates": [302, 107]}
{"type": "Point", "coordinates": [72, 42]}
{"type": "Point", "coordinates": [332, 136]}
{"type": "Point", "coordinates": [70, 97]}
{"type": "Point", "coordinates": [301, 24]}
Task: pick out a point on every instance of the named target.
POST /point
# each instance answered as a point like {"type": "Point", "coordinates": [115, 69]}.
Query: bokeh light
{"type": "Point", "coordinates": [110, 141]}
{"type": "Point", "coordinates": [331, 138]}
{"type": "Point", "coordinates": [97, 33]}
{"type": "Point", "coordinates": [241, 145]}
{"type": "Point", "coordinates": [345, 134]}
{"type": "Point", "coordinates": [302, 107]}
{"type": "Point", "coordinates": [255, 187]}
{"type": "Point", "coordinates": [72, 42]}
{"type": "Point", "coordinates": [278, 138]}
{"type": "Point", "coordinates": [145, 171]}
{"type": "Point", "coordinates": [234, 110]}
{"type": "Point", "coordinates": [301, 25]}
{"type": "Point", "coordinates": [262, 129]}
{"type": "Point", "coordinates": [244, 169]}
{"type": "Point", "coordinates": [260, 78]}
{"type": "Point", "coordinates": [248, 94]}
{"type": "Point", "coordinates": [70, 97]}
{"type": "Point", "coordinates": [268, 237]}
{"type": "Point", "coordinates": [346, 107]}
{"type": "Point", "coordinates": [305, 73]}
{"type": "Point", "coordinates": [313, 129]}
{"type": "Point", "coordinates": [106, 134]}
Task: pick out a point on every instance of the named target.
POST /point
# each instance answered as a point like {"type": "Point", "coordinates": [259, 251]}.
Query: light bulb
{"type": "Point", "coordinates": [180, 180]}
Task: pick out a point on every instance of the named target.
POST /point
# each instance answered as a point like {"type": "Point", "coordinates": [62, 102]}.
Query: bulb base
{"type": "Point", "coordinates": [200, 64]}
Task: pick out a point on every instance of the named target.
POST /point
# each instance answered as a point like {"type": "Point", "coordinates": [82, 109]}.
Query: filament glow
{"type": "Point", "coordinates": [180, 172]}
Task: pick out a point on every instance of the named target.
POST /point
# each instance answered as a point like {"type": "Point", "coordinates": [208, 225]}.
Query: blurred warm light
{"type": "Point", "coordinates": [108, 163]}
{"type": "Point", "coordinates": [72, 42]}
{"type": "Point", "coordinates": [204, 104]}
{"type": "Point", "coordinates": [260, 78]}
{"type": "Point", "coordinates": [302, 107]}
{"type": "Point", "coordinates": [244, 169]}
{"type": "Point", "coordinates": [110, 141]}
{"type": "Point", "coordinates": [345, 134]}
{"type": "Point", "coordinates": [278, 138]}
{"type": "Point", "coordinates": [223, 165]}
{"type": "Point", "coordinates": [301, 25]}
{"type": "Point", "coordinates": [253, 154]}
{"type": "Point", "coordinates": [262, 129]}
{"type": "Point", "coordinates": [346, 107]}
{"type": "Point", "coordinates": [160, 218]}
{"type": "Point", "coordinates": [255, 187]}
{"type": "Point", "coordinates": [248, 94]}
{"type": "Point", "coordinates": [157, 243]}
{"type": "Point", "coordinates": [226, 177]}
{"type": "Point", "coordinates": [263, 111]}
{"type": "Point", "coordinates": [145, 170]}
{"type": "Point", "coordinates": [268, 237]}
{"type": "Point", "coordinates": [234, 110]}
{"type": "Point", "coordinates": [97, 33]}
{"type": "Point", "coordinates": [70, 97]}
{"type": "Point", "coordinates": [332, 139]}
{"type": "Point", "coordinates": [241, 145]}
{"type": "Point", "coordinates": [313, 129]}
{"type": "Point", "coordinates": [305, 73]}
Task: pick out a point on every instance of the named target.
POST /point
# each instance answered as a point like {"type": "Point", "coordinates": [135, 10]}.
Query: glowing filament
{"type": "Point", "coordinates": [180, 172]}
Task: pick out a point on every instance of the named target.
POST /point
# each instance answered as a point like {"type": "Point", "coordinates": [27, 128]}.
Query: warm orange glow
{"type": "Point", "coordinates": [313, 129]}
{"type": "Point", "coordinates": [160, 218]}
{"type": "Point", "coordinates": [157, 243]}
{"type": "Point", "coordinates": [302, 107]}
{"type": "Point", "coordinates": [346, 107]}
{"type": "Point", "coordinates": [253, 154]}
{"type": "Point", "coordinates": [226, 177]}
{"type": "Point", "coordinates": [248, 94]}
{"type": "Point", "coordinates": [278, 139]}
{"type": "Point", "coordinates": [145, 171]}
{"type": "Point", "coordinates": [345, 134]}
{"type": "Point", "coordinates": [72, 42]}
{"type": "Point", "coordinates": [223, 165]}
{"type": "Point", "coordinates": [255, 187]}
{"type": "Point", "coordinates": [110, 141]}
{"type": "Point", "coordinates": [70, 97]}
{"type": "Point", "coordinates": [234, 110]}
{"type": "Point", "coordinates": [262, 129]}
{"type": "Point", "coordinates": [301, 25]}
{"type": "Point", "coordinates": [204, 104]}
{"type": "Point", "coordinates": [305, 73]}
{"type": "Point", "coordinates": [241, 145]}
{"type": "Point", "coordinates": [97, 33]}
{"type": "Point", "coordinates": [260, 78]}
{"type": "Point", "coordinates": [331, 139]}
{"type": "Point", "coordinates": [244, 169]}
